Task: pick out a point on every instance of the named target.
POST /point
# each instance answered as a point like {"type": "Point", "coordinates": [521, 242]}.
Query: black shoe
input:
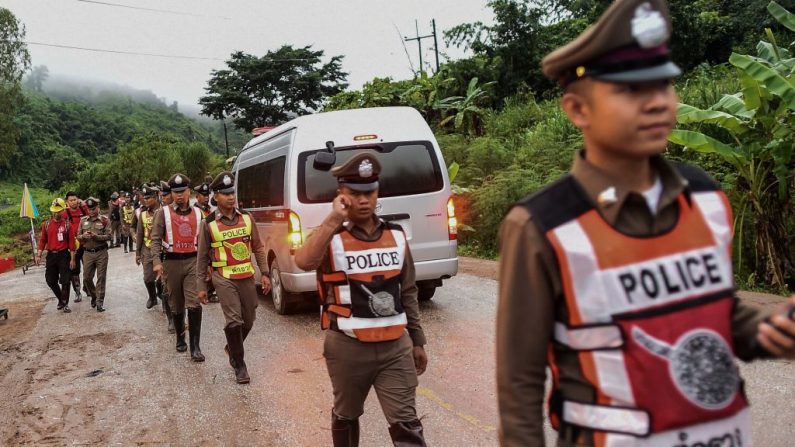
{"type": "Point", "coordinates": [194, 333]}
{"type": "Point", "coordinates": [78, 298]}
{"type": "Point", "coordinates": [100, 308]}
{"type": "Point", "coordinates": [179, 329]}
{"type": "Point", "coordinates": [344, 433]}
{"type": "Point", "coordinates": [61, 306]}
{"type": "Point", "coordinates": [66, 309]}
{"type": "Point", "coordinates": [152, 301]}
{"type": "Point", "coordinates": [93, 302]}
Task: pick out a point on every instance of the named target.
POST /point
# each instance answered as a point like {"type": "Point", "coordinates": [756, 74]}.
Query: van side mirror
{"type": "Point", "coordinates": [324, 161]}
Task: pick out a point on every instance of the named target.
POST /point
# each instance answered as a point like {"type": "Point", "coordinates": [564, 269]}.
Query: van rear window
{"type": "Point", "coordinates": [406, 168]}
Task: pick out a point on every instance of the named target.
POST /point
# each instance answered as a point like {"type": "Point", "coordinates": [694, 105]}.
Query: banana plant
{"type": "Point", "coordinates": [760, 124]}
{"type": "Point", "coordinates": [465, 111]}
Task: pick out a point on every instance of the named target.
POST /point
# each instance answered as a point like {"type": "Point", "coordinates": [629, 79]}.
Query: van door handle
{"type": "Point", "coordinates": [391, 217]}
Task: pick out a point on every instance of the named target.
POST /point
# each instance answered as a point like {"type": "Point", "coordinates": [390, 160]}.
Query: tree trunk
{"type": "Point", "coordinates": [772, 243]}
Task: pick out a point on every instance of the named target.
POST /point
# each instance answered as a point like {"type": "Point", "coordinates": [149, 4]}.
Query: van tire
{"type": "Point", "coordinates": [425, 293]}
{"type": "Point", "coordinates": [283, 301]}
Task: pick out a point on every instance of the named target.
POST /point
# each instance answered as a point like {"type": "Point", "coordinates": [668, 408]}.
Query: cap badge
{"type": "Point", "coordinates": [580, 71]}
{"type": "Point", "coordinates": [178, 180]}
{"type": "Point", "coordinates": [649, 27]}
{"type": "Point", "coordinates": [227, 180]}
{"type": "Point", "coordinates": [365, 169]}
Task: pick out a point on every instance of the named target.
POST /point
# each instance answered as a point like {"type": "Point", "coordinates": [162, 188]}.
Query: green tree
{"type": "Point", "coordinates": [37, 77]}
{"type": "Point", "coordinates": [14, 61]}
{"type": "Point", "coordinates": [260, 91]}
{"type": "Point", "coordinates": [759, 125]}
{"type": "Point", "coordinates": [466, 112]}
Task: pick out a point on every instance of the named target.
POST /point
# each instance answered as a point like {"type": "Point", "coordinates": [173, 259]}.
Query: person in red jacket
{"type": "Point", "coordinates": [59, 241]}
{"type": "Point", "coordinates": [75, 211]}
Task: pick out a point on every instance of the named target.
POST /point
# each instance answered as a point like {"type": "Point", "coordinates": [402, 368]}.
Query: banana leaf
{"type": "Point", "coordinates": [766, 76]}
{"type": "Point", "coordinates": [686, 114]}
{"type": "Point", "coordinates": [704, 144]}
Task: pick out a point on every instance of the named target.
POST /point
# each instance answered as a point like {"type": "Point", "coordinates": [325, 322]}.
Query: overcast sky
{"type": "Point", "coordinates": [364, 31]}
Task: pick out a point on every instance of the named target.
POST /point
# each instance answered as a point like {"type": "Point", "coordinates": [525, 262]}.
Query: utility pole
{"type": "Point", "coordinates": [226, 140]}
{"type": "Point", "coordinates": [419, 38]}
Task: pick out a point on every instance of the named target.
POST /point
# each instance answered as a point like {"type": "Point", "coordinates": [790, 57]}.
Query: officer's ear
{"type": "Point", "coordinates": [576, 103]}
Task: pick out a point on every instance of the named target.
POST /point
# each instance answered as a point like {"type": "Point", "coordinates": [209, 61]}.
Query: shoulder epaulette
{"type": "Point", "coordinates": [558, 203]}
{"type": "Point", "coordinates": [697, 179]}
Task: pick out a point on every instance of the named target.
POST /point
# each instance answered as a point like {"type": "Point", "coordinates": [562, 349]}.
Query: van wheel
{"type": "Point", "coordinates": [282, 300]}
{"type": "Point", "coordinates": [425, 293]}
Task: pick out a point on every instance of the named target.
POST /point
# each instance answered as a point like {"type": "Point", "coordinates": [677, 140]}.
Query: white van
{"type": "Point", "coordinates": [278, 184]}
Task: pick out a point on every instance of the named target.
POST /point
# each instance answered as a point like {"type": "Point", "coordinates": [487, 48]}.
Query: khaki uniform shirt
{"type": "Point", "coordinates": [101, 229]}
{"type": "Point", "coordinates": [205, 251]}
{"type": "Point", "coordinates": [531, 300]}
{"type": "Point", "coordinates": [139, 230]}
{"type": "Point", "coordinates": [314, 255]}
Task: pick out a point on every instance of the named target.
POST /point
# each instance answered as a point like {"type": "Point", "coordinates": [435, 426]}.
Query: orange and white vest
{"type": "Point", "coordinates": [650, 320]}
{"type": "Point", "coordinates": [365, 277]}
{"type": "Point", "coordinates": [231, 247]}
{"type": "Point", "coordinates": [182, 231]}
{"type": "Point", "coordinates": [147, 219]}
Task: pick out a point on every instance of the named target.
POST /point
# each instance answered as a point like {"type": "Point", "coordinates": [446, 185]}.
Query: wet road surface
{"type": "Point", "coordinates": [115, 379]}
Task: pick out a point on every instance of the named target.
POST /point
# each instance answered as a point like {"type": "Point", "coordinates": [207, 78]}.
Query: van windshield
{"type": "Point", "coordinates": [406, 168]}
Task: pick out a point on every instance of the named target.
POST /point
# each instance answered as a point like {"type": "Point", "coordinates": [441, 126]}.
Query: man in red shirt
{"type": "Point", "coordinates": [59, 241]}
{"type": "Point", "coordinates": [75, 211]}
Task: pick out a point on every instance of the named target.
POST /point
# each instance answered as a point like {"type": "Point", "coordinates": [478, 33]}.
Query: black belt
{"type": "Point", "coordinates": [94, 250]}
{"type": "Point", "coordinates": [180, 256]}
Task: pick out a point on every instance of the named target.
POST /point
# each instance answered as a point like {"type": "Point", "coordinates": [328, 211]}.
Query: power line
{"type": "Point", "coordinates": [99, 50]}
{"type": "Point", "coordinates": [169, 56]}
{"type": "Point", "coordinates": [119, 5]}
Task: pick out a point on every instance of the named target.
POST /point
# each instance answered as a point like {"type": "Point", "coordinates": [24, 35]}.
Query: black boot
{"type": "Point", "coordinates": [124, 243]}
{"type": "Point", "coordinates": [407, 434]}
{"type": "Point", "coordinates": [234, 339]}
{"type": "Point", "coordinates": [179, 328]}
{"type": "Point", "coordinates": [169, 316]}
{"type": "Point", "coordinates": [194, 333]}
{"type": "Point", "coordinates": [150, 289]}
{"type": "Point", "coordinates": [344, 433]}
{"type": "Point", "coordinates": [246, 330]}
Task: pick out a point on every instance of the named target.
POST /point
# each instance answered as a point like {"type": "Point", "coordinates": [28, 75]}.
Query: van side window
{"type": "Point", "coordinates": [262, 185]}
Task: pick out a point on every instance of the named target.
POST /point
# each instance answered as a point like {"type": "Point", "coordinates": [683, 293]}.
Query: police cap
{"type": "Point", "coordinates": [204, 188]}
{"type": "Point", "coordinates": [360, 173]}
{"type": "Point", "coordinates": [223, 183]}
{"type": "Point", "coordinates": [628, 43]}
{"type": "Point", "coordinates": [179, 182]}
{"type": "Point", "coordinates": [149, 190]}
{"type": "Point", "coordinates": [164, 188]}
{"type": "Point", "coordinates": [92, 202]}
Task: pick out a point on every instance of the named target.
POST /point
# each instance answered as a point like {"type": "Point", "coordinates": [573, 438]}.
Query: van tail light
{"type": "Point", "coordinates": [452, 222]}
{"type": "Point", "coordinates": [295, 237]}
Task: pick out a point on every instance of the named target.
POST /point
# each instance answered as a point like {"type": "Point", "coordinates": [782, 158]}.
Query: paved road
{"type": "Point", "coordinates": [115, 379]}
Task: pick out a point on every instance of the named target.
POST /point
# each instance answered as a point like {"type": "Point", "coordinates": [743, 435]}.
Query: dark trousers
{"type": "Point", "coordinates": [58, 275]}
{"type": "Point", "coordinates": [78, 261]}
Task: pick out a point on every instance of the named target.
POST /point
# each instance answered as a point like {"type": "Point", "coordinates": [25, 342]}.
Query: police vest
{"type": "Point", "coordinates": [365, 277]}
{"type": "Point", "coordinates": [147, 219]}
{"type": "Point", "coordinates": [127, 215]}
{"type": "Point", "coordinates": [205, 211]}
{"type": "Point", "coordinates": [650, 320]}
{"type": "Point", "coordinates": [182, 231]}
{"type": "Point", "coordinates": [231, 247]}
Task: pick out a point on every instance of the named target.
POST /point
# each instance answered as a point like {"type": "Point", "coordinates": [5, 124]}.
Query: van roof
{"type": "Point", "coordinates": [331, 122]}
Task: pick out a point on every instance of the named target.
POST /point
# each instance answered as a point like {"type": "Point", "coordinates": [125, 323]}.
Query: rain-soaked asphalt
{"type": "Point", "coordinates": [115, 379]}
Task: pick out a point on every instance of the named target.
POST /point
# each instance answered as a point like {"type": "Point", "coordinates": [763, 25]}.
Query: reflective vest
{"type": "Point", "coordinates": [127, 215]}
{"type": "Point", "coordinates": [365, 278]}
{"type": "Point", "coordinates": [650, 320]}
{"type": "Point", "coordinates": [182, 231]}
{"type": "Point", "coordinates": [231, 247]}
{"type": "Point", "coordinates": [205, 211]}
{"type": "Point", "coordinates": [147, 219]}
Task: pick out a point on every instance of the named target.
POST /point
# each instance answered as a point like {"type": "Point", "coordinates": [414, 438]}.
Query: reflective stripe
{"type": "Point", "coordinates": [716, 213]}
{"type": "Point", "coordinates": [222, 248]}
{"type": "Point", "coordinates": [603, 418]}
{"type": "Point", "coordinates": [589, 338]}
{"type": "Point", "coordinates": [349, 324]}
{"type": "Point", "coordinates": [168, 241]}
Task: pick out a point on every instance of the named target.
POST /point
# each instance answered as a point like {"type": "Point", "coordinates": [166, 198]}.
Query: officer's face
{"type": "Point", "coordinates": [93, 212]}
{"type": "Point", "coordinates": [181, 198]}
{"type": "Point", "coordinates": [225, 201]}
{"type": "Point", "coordinates": [202, 199]}
{"type": "Point", "coordinates": [629, 120]}
{"type": "Point", "coordinates": [167, 198]}
{"type": "Point", "coordinates": [150, 201]}
{"type": "Point", "coordinates": [362, 203]}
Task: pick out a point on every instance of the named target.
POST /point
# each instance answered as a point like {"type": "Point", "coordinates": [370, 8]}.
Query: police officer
{"type": "Point", "coordinates": [203, 203]}
{"type": "Point", "coordinates": [143, 250]}
{"type": "Point", "coordinates": [174, 233]}
{"type": "Point", "coordinates": [58, 239]}
{"type": "Point", "coordinates": [127, 214]}
{"type": "Point", "coordinates": [227, 239]}
{"type": "Point", "coordinates": [618, 276]}
{"type": "Point", "coordinates": [369, 301]}
{"type": "Point", "coordinates": [165, 193]}
{"type": "Point", "coordinates": [114, 213]}
{"type": "Point", "coordinates": [75, 211]}
{"type": "Point", "coordinates": [94, 234]}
